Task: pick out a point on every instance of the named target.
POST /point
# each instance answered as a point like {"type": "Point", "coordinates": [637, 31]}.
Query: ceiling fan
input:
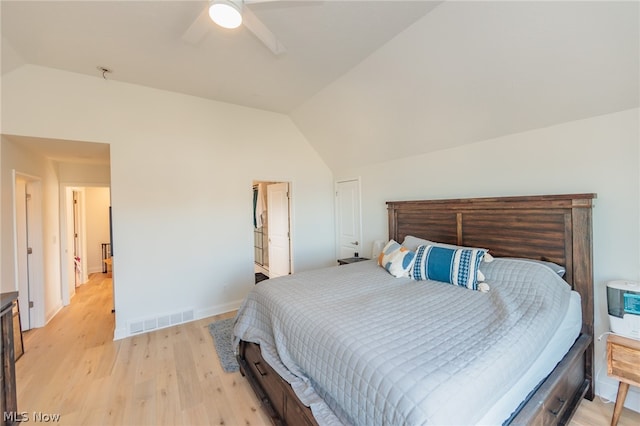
{"type": "Point", "coordinates": [232, 14]}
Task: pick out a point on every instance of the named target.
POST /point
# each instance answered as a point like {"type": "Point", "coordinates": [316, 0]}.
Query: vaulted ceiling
{"type": "Point", "coordinates": [142, 42]}
{"type": "Point", "coordinates": [365, 81]}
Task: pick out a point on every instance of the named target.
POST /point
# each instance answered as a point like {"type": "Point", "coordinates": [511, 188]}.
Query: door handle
{"type": "Point", "coordinates": [257, 365]}
{"type": "Point", "coordinates": [355, 243]}
{"type": "Point", "coordinates": [559, 408]}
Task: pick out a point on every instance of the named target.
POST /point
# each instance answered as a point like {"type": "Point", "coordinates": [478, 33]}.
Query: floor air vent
{"type": "Point", "coordinates": [163, 321]}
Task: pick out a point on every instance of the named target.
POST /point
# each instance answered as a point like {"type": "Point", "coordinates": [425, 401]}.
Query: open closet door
{"type": "Point", "coordinates": [278, 228]}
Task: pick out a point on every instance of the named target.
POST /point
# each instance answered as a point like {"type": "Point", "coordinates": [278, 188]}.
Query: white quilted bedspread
{"type": "Point", "coordinates": [362, 347]}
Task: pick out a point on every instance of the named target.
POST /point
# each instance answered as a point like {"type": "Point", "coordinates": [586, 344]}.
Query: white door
{"type": "Point", "coordinates": [28, 250]}
{"type": "Point", "coordinates": [348, 220]}
{"type": "Point", "coordinates": [278, 229]}
{"type": "Point", "coordinates": [22, 255]}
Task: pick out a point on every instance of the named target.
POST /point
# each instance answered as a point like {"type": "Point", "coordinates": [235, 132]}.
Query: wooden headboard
{"type": "Point", "coordinates": [556, 228]}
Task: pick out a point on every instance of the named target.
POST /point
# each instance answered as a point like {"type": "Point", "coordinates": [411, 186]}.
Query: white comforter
{"type": "Point", "coordinates": [362, 347]}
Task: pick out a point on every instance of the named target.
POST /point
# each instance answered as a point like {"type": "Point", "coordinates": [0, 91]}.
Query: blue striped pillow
{"type": "Point", "coordinates": [449, 265]}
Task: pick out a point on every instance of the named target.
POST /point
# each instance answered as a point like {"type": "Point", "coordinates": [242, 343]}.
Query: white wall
{"type": "Point", "coordinates": [96, 201]}
{"type": "Point", "coordinates": [25, 162]}
{"type": "Point", "coordinates": [598, 155]}
{"type": "Point", "coordinates": [181, 175]}
{"type": "Point", "coordinates": [473, 70]}
{"type": "Point", "coordinates": [182, 169]}
{"type": "Point", "coordinates": [84, 174]}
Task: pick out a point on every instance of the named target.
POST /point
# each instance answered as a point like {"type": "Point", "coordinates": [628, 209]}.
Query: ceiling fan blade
{"type": "Point", "coordinates": [255, 25]}
{"type": "Point", "coordinates": [199, 28]}
{"type": "Point", "coordinates": [202, 25]}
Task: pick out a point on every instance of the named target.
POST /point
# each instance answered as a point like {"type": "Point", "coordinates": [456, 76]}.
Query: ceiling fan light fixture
{"type": "Point", "coordinates": [226, 13]}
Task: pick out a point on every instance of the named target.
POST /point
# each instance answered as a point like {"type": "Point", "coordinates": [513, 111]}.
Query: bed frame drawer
{"type": "Point", "coordinates": [276, 396]}
{"type": "Point", "coordinates": [297, 415]}
{"type": "Point", "coordinates": [555, 402]}
{"type": "Point", "coordinates": [266, 378]}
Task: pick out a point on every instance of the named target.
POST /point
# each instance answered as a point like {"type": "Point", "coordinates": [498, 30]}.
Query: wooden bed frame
{"type": "Point", "coordinates": [555, 228]}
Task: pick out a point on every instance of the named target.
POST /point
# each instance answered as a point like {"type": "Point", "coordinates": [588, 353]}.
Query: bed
{"type": "Point", "coordinates": [554, 228]}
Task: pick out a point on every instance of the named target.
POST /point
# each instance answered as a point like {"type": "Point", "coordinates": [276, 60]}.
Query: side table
{"type": "Point", "coordinates": [348, 260]}
{"type": "Point", "coordinates": [623, 363]}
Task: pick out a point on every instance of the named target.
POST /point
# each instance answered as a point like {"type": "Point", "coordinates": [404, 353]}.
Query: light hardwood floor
{"type": "Point", "coordinates": [72, 367]}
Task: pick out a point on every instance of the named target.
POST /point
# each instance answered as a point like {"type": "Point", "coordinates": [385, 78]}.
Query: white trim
{"type": "Point", "coordinates": [291, 227]}
{"type": "Point", "coordinates": [83, 235]}
{"type": "Point", "coordinates": [14, 207]}
{"type": "Point", "coordinates": [218, 309]}
{"type": "Point", "coordinates": [123, 332]}
{"type": "Point", "coordinates": [609, 390]}
{"type": "Point", "coordinates": [54, 313]}
{"type": "Point", "coordinates": [290, 183]}
{"type": "Point", "coordinates": [65, 277]}
{"type": "Point", "coordinates": [64, 250]}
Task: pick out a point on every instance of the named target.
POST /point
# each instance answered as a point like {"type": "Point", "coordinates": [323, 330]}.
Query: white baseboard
{"type": "Point", "coordinates": [259, 268]}
{"type": "Point", "coordinates": [607, 389]}
{"type": "Point", "coordinates": [218, 309]}
{"type": "Point", "coordinates": [52, 313]}
{"type": "Point", "coordinates": [120, 333]}
{"type": "Point", "coordinates": [124, 332]}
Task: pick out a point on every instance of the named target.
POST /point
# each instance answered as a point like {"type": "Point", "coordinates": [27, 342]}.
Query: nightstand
{"type": "Point", "coordinates": [623, 363]}
{"type": "Point", "coordinates": [348, 260]}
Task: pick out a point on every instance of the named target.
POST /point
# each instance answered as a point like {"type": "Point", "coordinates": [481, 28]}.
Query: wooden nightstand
{"type": "Point", "coordinates": [348, 260]}
{"type": "Point", "coordinates": [623, 363]}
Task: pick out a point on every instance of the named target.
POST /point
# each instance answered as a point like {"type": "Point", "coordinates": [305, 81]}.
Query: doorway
{"type": "Point", "coordinates": [271, 229]}
{"type": "Point", "coordinates": [348, 218]}
{"type": "Point", "coordinates": [85, 231]}
{"type": "Point", "coordinates": [78, 238]}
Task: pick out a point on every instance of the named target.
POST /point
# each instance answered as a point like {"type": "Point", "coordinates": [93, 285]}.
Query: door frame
{"type": "Point", "coordinates": [66, 226]}
{"type": "Point", "coordinates": [77, 232]}
{"type": "Point", "coordinates": [36, 262]}
{"type": "Point", "coordinates": [291, 216]}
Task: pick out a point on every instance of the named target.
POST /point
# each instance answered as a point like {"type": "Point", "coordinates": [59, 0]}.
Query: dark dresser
{"type": "Point", "coordinates": [8, 400]}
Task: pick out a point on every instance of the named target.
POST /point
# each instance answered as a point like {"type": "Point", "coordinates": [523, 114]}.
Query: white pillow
{"type": "Point", "coordinates": [396, 259]}
{"type": "Point", "coordinates": [412, 243]}
{"type": "Point", "coordinates": [558, 269]}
